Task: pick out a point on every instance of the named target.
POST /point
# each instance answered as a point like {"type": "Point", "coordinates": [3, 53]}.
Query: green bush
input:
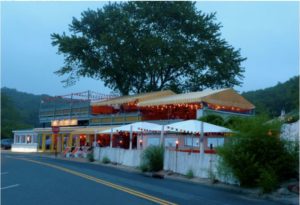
{"type": "Point", "coordinates": [267, 180]}
{"type": "Point", "coordinates": [233, 122]}
{"type": "Point", "coordinates": [90, 157]}
{"type": "Point", "coordinates": [143, 168]}
{"type": "Point", "coordinates": [153, 158]}
{"type": "Point", "coordinates": [190, 174]}
{"type": "Point", "coordinates": [213, 119]}
{"type": "Point", "coordinates": [255, 146]}
{"type": "Point", "coordinates": [293, 149]}
{"type": "Point", "coordinates": [105, 160]}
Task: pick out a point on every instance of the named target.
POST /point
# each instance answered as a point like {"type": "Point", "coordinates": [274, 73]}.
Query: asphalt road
{"type": "Point", "coordinates": [34, 180]}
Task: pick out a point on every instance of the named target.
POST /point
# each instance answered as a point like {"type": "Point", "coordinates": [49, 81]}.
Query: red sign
{"type": "Point", "coordinates": [55, 129]}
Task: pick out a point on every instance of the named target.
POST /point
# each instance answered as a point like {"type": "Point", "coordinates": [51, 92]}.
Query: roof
{"type": "Point", "coordinates": [225, 97]}
{"type": "Point", "coordinates": [24, 131]}
{"type": "Point", "coordinates": [135, 127]}
{"type": "Point", "coordinates": [138, 97]}
{"type": "Point", "coordinates": [194, 126]}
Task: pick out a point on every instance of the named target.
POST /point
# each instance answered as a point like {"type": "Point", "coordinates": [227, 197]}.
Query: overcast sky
{"type": "Point", "coordinates": [266, 32]}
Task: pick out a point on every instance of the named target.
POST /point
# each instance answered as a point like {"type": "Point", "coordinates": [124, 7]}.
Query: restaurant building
{"type": "Point", "coordinates": [78, 119]}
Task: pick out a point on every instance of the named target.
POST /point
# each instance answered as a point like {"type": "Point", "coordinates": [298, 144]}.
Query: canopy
{"type": "Point", "coordinates": [132, 98]}
{"type": "Point", "coordinates": [224, 97]}
{"type": "Point", "coordinates": [135, 127]}
{"type": "Point", "coordinates": [194, 126]}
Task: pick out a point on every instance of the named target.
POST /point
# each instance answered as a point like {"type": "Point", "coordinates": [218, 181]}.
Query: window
{"type": "Point", "coordinates": [215, 142]}
{"type": "Point", "coordinates": [28, 139]}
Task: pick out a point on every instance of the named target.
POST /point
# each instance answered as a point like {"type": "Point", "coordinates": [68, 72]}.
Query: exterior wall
{"type": "Point", "coordinates": [25, 141]}
{"type": "Point", "coordinates": [118, 155]}
{"type": "Point", "coordinates": [24, 147]}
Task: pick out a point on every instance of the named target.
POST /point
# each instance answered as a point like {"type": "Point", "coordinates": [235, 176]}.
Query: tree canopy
{"type": "Point", "coordinates": [147, 46]}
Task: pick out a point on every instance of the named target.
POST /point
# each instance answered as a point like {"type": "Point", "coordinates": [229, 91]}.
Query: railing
{"type": "Point", "coordinates": [44, 119]}
{"type": "Point", "coordinates": [227, 114]}
{"type": "Point", "coordinates": [115, 119]}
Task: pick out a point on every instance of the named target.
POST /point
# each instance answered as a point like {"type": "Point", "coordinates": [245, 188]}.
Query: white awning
{"type": "Point", "coordinates": [135, 127]}
{"type": "Point", "coordinates": [194, 126]}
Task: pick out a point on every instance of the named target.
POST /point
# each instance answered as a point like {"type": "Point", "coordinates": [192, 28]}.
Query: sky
{"type": "Point", "coordinates": [266, 32]}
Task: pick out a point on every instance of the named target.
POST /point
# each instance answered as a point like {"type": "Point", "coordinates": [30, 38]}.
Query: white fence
{"type": "Point", "coordinates": [203, 166]}
{"type": "Point", "coordinates": [290, 131]}
{"type": "Point", "coordinates": [121, 156]}
{"type": "Point", "coordinates": [181, 162]}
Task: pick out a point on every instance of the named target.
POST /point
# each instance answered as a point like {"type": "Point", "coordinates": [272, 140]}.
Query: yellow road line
{"type": "Point", "coordinates": [106, 183]}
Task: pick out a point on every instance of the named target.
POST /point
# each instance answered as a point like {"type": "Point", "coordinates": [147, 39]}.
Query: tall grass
{"type": "Point", "coordinates": [153, 158]}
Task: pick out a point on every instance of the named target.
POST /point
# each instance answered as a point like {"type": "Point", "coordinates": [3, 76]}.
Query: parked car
{"type": "Point", "coordinates": [6, 143]}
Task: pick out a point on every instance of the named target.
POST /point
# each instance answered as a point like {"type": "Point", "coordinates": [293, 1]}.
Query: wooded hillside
{"type": "Point", "coordinates": [272, 100]}
{"type": "Point", "coordinates": [19, 110]}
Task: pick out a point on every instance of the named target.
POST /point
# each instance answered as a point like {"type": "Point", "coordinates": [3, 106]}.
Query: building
{"type": "Point", "coordinates": [80, 117]}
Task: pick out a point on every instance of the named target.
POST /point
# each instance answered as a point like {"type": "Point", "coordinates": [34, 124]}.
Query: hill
{"type": "Point", "coordinates": [19, 110]}
{"type": "Point", "coordinates": [272, 100]}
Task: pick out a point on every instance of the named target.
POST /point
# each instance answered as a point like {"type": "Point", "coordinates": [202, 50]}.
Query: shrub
{"type": "Point", "coordinates": [153, 158]}
{"type": "Point", "coordinates": [233, 122]}
{"type": "Point", "coordinates": [293, 149]}
{"type": "Point", "coordinates": [213, 119]}
{"type": "Point", "coordinates": [105, 160]}
{"type": "Point", "coordinates": [143, 168]}
{"type": "Point", "coordinates": [190, 174]}
{"type": "Point", "coordinates": [90, 157]}
{"type": "Point", "coordinates": [255, 146]}
{"type": "Point", "coordinates": [267, 180]}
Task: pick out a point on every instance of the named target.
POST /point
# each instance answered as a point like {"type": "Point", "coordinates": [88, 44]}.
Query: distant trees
{"type": "Point", "coordinates": [10, 117]}
{"type": "Point", "coordinates": [147, 46]}
{"type": "Point", "coordinates": [272, 100]}
{"type": "Point", "coordinates": [19, 110]}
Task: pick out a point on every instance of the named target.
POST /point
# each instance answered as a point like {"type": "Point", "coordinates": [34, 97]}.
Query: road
{"type": "Point", "coordinates": [35, 180]}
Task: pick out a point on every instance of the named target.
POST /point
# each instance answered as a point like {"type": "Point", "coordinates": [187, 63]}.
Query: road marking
{"type": "Point", "coordinates": [4, 173]}
{"type": "Point", "coordinates": [106, 183]}
{"type": "Point", "coordinates": [11, 186]}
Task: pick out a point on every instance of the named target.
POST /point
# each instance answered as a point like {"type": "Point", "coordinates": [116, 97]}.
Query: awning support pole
{"type": "Point", "coordinates": [201, 143]}
{"type": "Point", "coordinates": [162, 135]}
{"type": "Point", "coordinates": [111, 138]}
{"type": "Point", "coordinates": [130, 138]}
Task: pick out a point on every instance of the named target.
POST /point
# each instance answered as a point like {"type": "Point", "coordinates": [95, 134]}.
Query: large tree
{"type": "Point", "coordinates": [147, 46]}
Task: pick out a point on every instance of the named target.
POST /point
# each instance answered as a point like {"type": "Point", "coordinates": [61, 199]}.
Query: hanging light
{"type": "Point", "coordinates": [270, 133]}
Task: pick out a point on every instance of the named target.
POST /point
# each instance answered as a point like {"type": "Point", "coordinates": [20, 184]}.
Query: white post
{"type": "Point", "coordinates": [130, 138]}
{"type": "Point", "coordinates": [162, 135]}
{"type": "Point", "coordinates": [201, 143]}
{"type": "Point", "coordinates": [111, 137]}
{"type": "Point", "coordinates": [95, 138]}
{"type": "Point", "coordinates": [192, 141]}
